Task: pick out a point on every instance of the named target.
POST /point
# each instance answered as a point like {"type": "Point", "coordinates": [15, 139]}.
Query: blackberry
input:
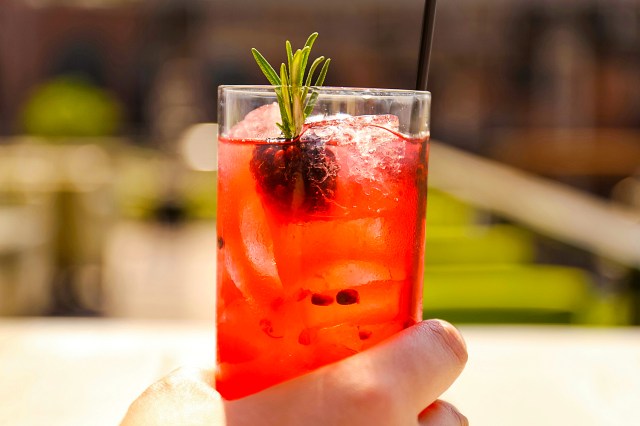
{"type": "Point", "coordinates": [319, 175]}
{"type": "Point", "coordinates": [276, 168]}
{"type": "Point", "coordinates": [295, 175]}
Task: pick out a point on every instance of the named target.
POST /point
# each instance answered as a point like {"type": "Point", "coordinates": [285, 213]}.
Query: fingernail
{"type": "Point", "coordinates": [462, 419]}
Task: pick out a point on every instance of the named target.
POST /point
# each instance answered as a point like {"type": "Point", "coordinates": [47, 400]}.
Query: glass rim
{"type": "Point", "coordinates": [328, 90]}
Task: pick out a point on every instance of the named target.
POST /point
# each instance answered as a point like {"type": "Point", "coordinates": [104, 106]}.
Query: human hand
{"type": "Point", "coordinates": [394, 383]}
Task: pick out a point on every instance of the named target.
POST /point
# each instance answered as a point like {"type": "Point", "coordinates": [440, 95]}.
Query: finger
{"type": "Point", "coordinates": [441, 413]}
{"type": "Point", "coordinates": [418, 364]}
{"type": "Point", "coordinates": [189, 382]}
{"type": "Point", "coordinates": [388, 384]}
{"type": "Point", "coordinates": [182, 395]}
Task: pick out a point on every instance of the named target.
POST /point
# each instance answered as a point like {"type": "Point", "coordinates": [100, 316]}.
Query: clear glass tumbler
{"type": "Point", "coordinates": [320, 238]}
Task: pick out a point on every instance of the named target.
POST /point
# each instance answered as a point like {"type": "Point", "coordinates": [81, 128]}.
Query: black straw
{"type": "Point", "coordinates": [425, 44]}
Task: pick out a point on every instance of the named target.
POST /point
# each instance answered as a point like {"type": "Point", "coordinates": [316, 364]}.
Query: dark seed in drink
{"type": "Point", "coordinates": [347, 297]}
{"type": "Point", "coordinates": [321, 299]}
{"type": "Point", "coordinates": [364, 334]}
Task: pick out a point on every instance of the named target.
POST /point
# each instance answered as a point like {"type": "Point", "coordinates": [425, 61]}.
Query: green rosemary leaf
{"type": "Point", "coordinates": [309, 43]}
{"type": "Point", "coordinates": [283, 111]}
{"type": "Point", "coordinates": [323, 73]}
{"type": "Point", "coordinates": [298, 115]}
{"type": "Point", "coordinates": [311, 102]}
{"type": "Point", "coordinates": [287, 119]}
{"type": "Point", "coordinates": [303, 65]}
{"type": "Point", "coordinates": [312, 38]}
{"type": "Point", "coordinates": [296, 71]}
{"type": "Point", "coordinates": [319, 82]}
{"type": "Point", "coordinates": [289, 54]}
{"type": "Point", "coordinates": [312, 70]}
{"type": "Point", "coordinates": [266, 68]}
{"type": "Point", "coordinates": [293, 97]}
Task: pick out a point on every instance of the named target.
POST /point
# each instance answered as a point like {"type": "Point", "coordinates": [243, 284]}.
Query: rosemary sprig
{"type": "Point", "coordinates": [291, 87]}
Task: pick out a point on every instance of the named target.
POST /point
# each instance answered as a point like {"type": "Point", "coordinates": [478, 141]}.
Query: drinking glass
{"type": "Point", "coordinates": [320, 238]}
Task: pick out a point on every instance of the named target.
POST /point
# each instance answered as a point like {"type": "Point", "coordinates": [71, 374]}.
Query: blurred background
{"type": "Point", "coordinates": [107, 148]}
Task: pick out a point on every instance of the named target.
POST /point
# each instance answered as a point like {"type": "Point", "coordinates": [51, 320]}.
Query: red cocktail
{"type": "Point", "coordinates": [320, 237]}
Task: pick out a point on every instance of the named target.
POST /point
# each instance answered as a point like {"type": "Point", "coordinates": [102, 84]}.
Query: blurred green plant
{"type": "Point", "coordinates": [141, 187]}
{"type": "Point", "coordinates": [487, 273]}
{"type": "Point", "coordinates": [70, 106]}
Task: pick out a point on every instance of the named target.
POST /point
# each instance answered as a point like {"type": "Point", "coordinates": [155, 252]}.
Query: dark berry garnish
{"type": "Point", "coordinates": [295, 175]}
{"type": "Point", "coordinates": [321, 299]}
{"type": "Point", "coordinates": [276, 169]}
{"type": "Point", "coordinates": [364, 334]}
{"type": "Point", "coordinates": [347, 297]}
{"type": "Point", "coordinates": [320, 170]}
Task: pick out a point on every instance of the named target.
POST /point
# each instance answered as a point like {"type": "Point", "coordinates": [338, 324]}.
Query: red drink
{"type": "Point", "coordinates": [321, 244]}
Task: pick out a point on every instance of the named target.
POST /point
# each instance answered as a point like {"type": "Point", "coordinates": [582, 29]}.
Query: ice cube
{"type": "Point", "coordinates": [297, 246]}
{"type": "Point", "coordinates": [261, 123]}
{"type": "Point", "coordinates": [374, 151]}
{"type": "Point", "coordinates": [333, 343]}
{"type": "Point", "coordinates": [256, 239]}
{"type": "Point", "coordinates": [248, 253]}
{"type": "Point", "coordinates": [371, 158]}
{"type": "Point", "coordinates": [337, 341]}
{"type": "Point", "coordinates": [345, 274]}
{"type": "Point", "coordinates": [319, 251]}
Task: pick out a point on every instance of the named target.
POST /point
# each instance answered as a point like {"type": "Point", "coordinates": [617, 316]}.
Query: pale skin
{"type": "Point", "coordinates": [397, 382]}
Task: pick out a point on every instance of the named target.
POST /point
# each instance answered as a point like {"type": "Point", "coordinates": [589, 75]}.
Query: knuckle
{"type": "Point", "coordinates": [173, 381]}
{"type": "Point", "coordinates": [179, 381]}
{"type": "Point", "coordinates": [370, 395]}
{"type": "Point", "coordinates": [364, 393]}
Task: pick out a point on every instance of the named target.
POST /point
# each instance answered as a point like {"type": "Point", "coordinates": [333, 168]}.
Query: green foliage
{"type": "Point", "coordinates": [296, 98]}
{"type": "Point", "coordinates": [70, 107]}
